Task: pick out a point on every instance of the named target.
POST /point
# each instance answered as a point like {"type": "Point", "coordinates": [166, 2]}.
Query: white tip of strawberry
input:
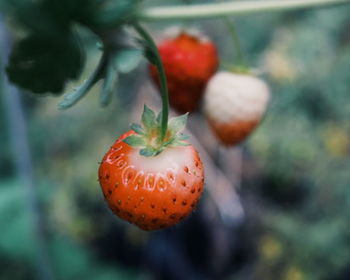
{"type": "Point", "coordinates": [234, 104]}
{"type": "Point", "coordinates": [171, 158]}
{"type": "Point", "coordinates": [229, 97]}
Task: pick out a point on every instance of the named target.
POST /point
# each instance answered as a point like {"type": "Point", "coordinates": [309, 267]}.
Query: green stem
{"type": "Point", "coordinates": [163, 83]}
{"type": "Point", "coordinates": [231, 28]}
{"type": "Point", "coordinates": [230, 8]}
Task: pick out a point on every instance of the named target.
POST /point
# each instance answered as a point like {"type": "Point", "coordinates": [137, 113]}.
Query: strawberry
{"type": "Point", "coordinates": [149, 183]}
{"type": "Point", "coordinates": [234, 105]}
{"type": "Point", "coordinates": [189, 62]}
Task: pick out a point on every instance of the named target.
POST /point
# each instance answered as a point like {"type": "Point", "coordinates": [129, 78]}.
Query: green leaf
{"type": "Point", "coordinates": [148, 119]}
{"type": "Point", "coordinates": [109, 85]}
{"type": "Point", "coordinates": [137, 128]}
{"type": "Point", "coordinates": [45, 63]}
{"type": "Point", "coordinates": [128, 59]}
{"type": "Point", "coordinates": [73, 97]}
{"type": "Point", "coordinates": [135, 141]}
{"type": "Point", "coordinates": [148, 152]}
{"type": "Point", "coordinates": [177, 124]}
{"type": "Point", "coordinates": [110, 13]}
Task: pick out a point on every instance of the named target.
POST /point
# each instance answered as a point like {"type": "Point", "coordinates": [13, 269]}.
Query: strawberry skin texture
{"type": "Point", "coordinates": [151, 192]}
{"type": "Point", "coordinates": [234, 105]}
{"type": "Point", "coordinates": [189, 62]}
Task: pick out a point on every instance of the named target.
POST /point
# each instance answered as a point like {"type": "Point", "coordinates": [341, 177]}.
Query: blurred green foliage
{"type": "Point", "coordinates": [304, 147]}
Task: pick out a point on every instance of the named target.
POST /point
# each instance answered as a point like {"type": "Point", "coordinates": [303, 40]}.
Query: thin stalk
{"type": "Point", "coordinates": [230, 8]}
{"type": "Point", "coordinates": [163, 83]}
{"type": "Point", "coordinates": [231, 28]}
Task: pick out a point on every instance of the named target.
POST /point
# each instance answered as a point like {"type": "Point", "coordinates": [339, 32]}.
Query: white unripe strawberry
{"type": "Point", "coordinates": [234, 104]}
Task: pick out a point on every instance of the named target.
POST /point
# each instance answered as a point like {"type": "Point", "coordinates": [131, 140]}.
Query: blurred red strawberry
{"type": "Point", "coordinates": [189, 62]}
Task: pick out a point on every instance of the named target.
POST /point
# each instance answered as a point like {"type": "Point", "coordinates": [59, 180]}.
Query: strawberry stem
{"type": "Point", "coordinates": [163, 83]}
{"type": "Point", "coordinates": [231, 28]}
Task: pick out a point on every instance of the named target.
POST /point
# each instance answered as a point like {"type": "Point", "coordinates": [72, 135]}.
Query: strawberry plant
{"type": "Point", "coordinates": [50, 54]}
{"type": "Point", "coordinates": [44, 61]}
{"type": "Point", "coordinates": [152, 176]}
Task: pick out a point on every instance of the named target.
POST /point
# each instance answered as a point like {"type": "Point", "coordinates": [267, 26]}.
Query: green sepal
{"type": "Point", "coordinates": [135, 141]}
{"type": "Point", "coordinates": [175, 142]}
{"type": "Point", "coordinates": [148, 152]}
{"type": "Point", "coordinates": [178, 143]}
{"type": "Point", "coordinates": [178, 123]}
{"type": "Point", "coordinates": [159, 118]}
{"type": "Point", "coordinates": [148, 119]}
{"type": "Point", "coordinates": [182, 137]}
{"type": "Point", "coordinates": [137, 128]}
{"type": "Point", "coordinates": [169, 142]}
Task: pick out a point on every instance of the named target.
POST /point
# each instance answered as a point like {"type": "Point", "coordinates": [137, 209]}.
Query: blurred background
{"type": "Point", "coordinates": [276, 207]}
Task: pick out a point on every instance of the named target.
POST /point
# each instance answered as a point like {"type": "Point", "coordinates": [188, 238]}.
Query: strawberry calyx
{"type": "Point", "coordinates": [148, 138]}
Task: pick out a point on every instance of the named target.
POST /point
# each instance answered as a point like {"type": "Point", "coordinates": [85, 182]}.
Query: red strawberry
{"type": "Point", "coordinates": [234, 105]}
{"type": "Point", "coordinates": [189, 62]}
{"type": "Point", "coordinates": [152, 188]}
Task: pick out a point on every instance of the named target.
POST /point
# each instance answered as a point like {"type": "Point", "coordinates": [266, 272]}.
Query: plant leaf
{"type": "Point", "coordinates": [110, 83]}
{"type": "Point", "coordinates": [73, 97]}
{"type": "Point", "coordinates": [128, 59]}
{"type": "Point", "coordinates": [43, 64]}
{"type": "Point", "coordinates": [110, 13]}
